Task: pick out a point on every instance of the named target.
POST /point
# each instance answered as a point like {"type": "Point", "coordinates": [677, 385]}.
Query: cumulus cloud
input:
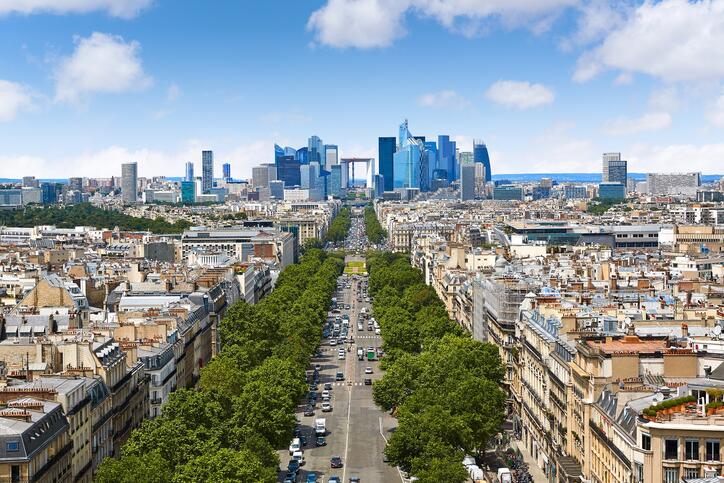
{"type": "Point", "coordinates": [101, 63]}
{"type": "Point", "coordinates": [706, 158]}
{"type": "Point", "coordinates": [115, 8]}
{"type": "Point", "coordinates": [675, 40]}
{"type": "Point", "coordinates": [650, 122]}
{"type": "Point", "coordinates": [378, 23]}
{"type": "Point", "coordinates": [715, 114]}
{"type": "Point", "coordinates": [443, 99]}
{"type": "Point", "coordinates": [13, 99]}
{"type": "Point", "coordinates": [519, 94]}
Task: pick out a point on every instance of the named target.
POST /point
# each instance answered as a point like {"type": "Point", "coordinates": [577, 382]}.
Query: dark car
{"type": "Point", "coordinates": [309, 410]}
{"type": "Point", "coordinates": [312, 478]}
{"type": "Point", "coordinates": [339, 376]}
{"type": "Point", "coordinates": [313, 387]}
{"type": "Point", "coordinates": [327, 386]}
{"type": "Point", "coordinates": [293, 466]}
{"type": "Point", "coordinates": [303, 440]}
{"type": "Point", "coordinates": [321, 441]}
{"type": "Point", "coordinates": [336, 462]}
{"type": "Point", "coordinates": [297, 431]}
{"type": "Point", "coordinates": [291, 476]}
{"type": "Point", "coordinates": [368, 381]}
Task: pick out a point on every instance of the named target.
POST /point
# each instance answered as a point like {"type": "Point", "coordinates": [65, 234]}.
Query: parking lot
{"type": "Point", "coordinates": [355, 428]}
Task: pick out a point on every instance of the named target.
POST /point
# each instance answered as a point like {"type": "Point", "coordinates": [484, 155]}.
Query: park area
{"type": "Point", "coordinates": [355, 267]}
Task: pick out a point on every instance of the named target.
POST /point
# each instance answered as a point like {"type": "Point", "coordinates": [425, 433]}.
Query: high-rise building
{"type": "Point", "coordinates": [49, 193]}
{"type": "Point", "coordinates": [575, 192]}
{"type": "Point", "coordinates": [288, 171]}
{"type": "Point", "coordinates": [335, 181]}
{"type": "Point", "coordinates": [189, 171]}
{"type": "Point", "coordinates": [480, 155]}
{"type": "Point", "coordinates": [464, 157]}
{"type": "Point", "coordinates": [410, 168]}
{"type": "Point", "coordinates": [302, 155]}
{"type": "Point", "coordinates": [378, 185]}
{"type": "Point", "coordinates": [261, 175]}
{"type": "Point", "coordinates": [331, 156]}
{"type": "Point", "coordinates": [673, 183]}
{"type": "Point", "coordinates": [129, 182]}
{"type": "Point", "coordinates": [226, 168]}
{"type": "Point", "coordinates": [207, 171]}
{"type": "Point", "coordinates": [446, 157]}
{"type": "Point", "coordinates": [188, 191]}
{"type": "Point", "coordinates": [30, 182]}
{"type": "Point", "coordinates": [308, 174]}
{"type": "Point", "coordinates": [611, 191]}
{"type": "Point", "coordinates": [508, 193]}
{"type": "Point", "coordinates": [75, 184]}
{"type": "Point", "coordinates": [615, 169]}
{"type": "Point", "coordinates": [385, 157]}
{"type": "Point", "coordinates": [467, 182]}
{"type": "Point", "coordinates": [276, 189]}
{"type": "Point", "coordinates": [316, 149]}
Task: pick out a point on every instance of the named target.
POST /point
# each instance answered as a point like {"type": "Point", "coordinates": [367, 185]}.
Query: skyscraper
{"type": "Point", "coordinates": [129, 182]}
{"type": "Point", "coordinates": [207, 171]}
{"type": "Point", "coordinates": [188, 191]}
{"type": "Point", "coordinates": [331, 156]}
{"type": "Point", "coordinates": [226, 167]}
{"type": "Point", "coordinates": [385, 157]}
{"type": "Point", "coordinates": [288, 170]}
{"type": "Point", "coordinates": [335, 181]}
{"type": "Point", "coordinates": [189, 171]}
{"type": "Point", "coordinates": [316, 149]}
{"type": "Point", "coordinates": [446, 157]}
{"type": "Point", "coordinates": [615, 169]}
{"type": "Point", "coordinates": [480, 155]}
{"type": "Point", "coordinates": [260, 176]}
{"type": "Point", "coordinates": [410, 168]}
{"type": "Point", "coordinates": [467, 182]}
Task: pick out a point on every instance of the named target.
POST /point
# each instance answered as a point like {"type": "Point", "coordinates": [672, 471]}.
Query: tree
{"type": "Point", "coordinates": [443, 469]}
{"type": "Point", "coordinates": [225, 466]}
{"type": "Point", "coordinates": [150, 467]}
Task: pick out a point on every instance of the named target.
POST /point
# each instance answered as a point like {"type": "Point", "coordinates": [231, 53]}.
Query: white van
{"type": "Point", "coordinates": [295, 446]}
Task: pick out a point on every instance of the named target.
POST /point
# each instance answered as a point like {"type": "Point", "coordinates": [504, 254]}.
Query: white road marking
{"type": "Point", "coordinates": [382, 433]}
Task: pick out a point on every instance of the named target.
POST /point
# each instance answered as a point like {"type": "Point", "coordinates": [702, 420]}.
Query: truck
{"type": "Point", "coordinates": [371, 354]}
{"type": "Point", "coordinates": [320, 426]}
{"type": "Point", "coordinates": [504, 475]}
{"type": "Point", "coordinates": [360, 354]}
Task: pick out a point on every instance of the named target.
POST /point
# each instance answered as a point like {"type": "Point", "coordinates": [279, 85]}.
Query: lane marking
{"type": "Point", "coordinates": [385, 438]}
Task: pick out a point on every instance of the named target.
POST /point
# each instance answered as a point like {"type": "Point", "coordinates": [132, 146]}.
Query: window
{"type": "Point", "coordinates": [671, 449]}
{"type": "Point", "coordinates": [671, 475]}
{"type": "Point", "coordinates": [646, 442]}
{"type": "Point", "coordinates": [712, 450]}
{"type": "Point", "coordinates": [691, 473]}
{"type": "Point", "coordinates": [692, 449]}
{"type": "Point", "coordinates": [12, 446]}
{"type": "Point", "coordinates": [15, 473]}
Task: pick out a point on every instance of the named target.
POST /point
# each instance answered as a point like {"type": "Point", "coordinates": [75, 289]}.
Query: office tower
{"type": "Point", "coordinates": [308, 174]}
{"type": "Point", "coordinates": [573, 192]}
{"type": "Point", "coordinates": [30, 182]}
{"type": "Point", "coordinates": [546, 183]}
{"type": "Point", "coordinates": [276, 189]}
{"type": "Point", "coordinates": [335, 181]}
{"type": "Point", "coordinates": [188, 191]}
{"type": "Point", "coordinates": [207, 171]}
{"type": "Point", "coordinates": [260, 176]}
{"type": "Point", "coordinates": [226, 169]}
{"type": "Point", "coordinates": [385, 156]}
{"type": "Point", "coordinates": [75, 184]}
{"type": "Point", "coordinates": [430, 161]}
{"type": "Point", "coordinates": [288, 171]}
{"type": "Point", "coordinates": [673, 183]}
{"type": "Point", "coordinates": [446, 157]}
{"type": "Point", "coordinates": [49, 193]}
{"type": "Point", "coordinates": [331, 155]}
{"type": "Point", "coordinates": [290, 151]}
{"type": "Point", "coordinates": [410, 161]}
{"type": "Point", "coordinates": [467, 182]}
{"type": "Point", "coordinates": [316, 148]}
{"type": "Point", "coordinates": [378, 185]}
{"type": "Point", "coordinates": [611, 191]}
{"type": "Point", "coordinates": [615, 169]}
{"type": "Point", "coordinates": [479, 178]}
{"type": "Point", "coordinates": [129, 182]}
{"type": "Point", "coordinates": [480, 155]}
{"type": "Point", "coordinates": [189, 171]}
{"type": "Point", "coordinates": [278, 152]}
{"type": "Point", "coordinates": [508, 193]}
{"type": "Point", "coordinates": [302, 155]}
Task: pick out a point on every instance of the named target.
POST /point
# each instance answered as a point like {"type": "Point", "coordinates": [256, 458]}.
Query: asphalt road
{"type": "Point", "coordinates": [356, 428]}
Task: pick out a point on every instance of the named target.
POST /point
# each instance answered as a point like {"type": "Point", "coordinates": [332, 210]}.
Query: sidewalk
{"type": "Point", "coordinates": [535, 471]}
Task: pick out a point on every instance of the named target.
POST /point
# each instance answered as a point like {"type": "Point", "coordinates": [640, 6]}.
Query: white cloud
{"type": "Point", "coordinates": [13, 99]}
{"type": "Point", "coordinates": [107, 162]}
{"type": "Point", "coordinates": [650, 122]}
{"type": "Point", "coordinates": [665, 99]}
{"type": "Point", "coordinates": [519, 94]}
{"type": "Point", "coordinates": [378, 23]}
{"type": "Point", "coordinates": [443, 99]}
{"type": "Point", "coordinates": [715, 115]}
{"type": "Point", "coordinates": [707, 158]}
{"type": "Point", "coordinates": [116, 8]}
{"type": "Point", "coordinates": [101, 63]}
{"type": "Point", "coordinates": [173, 92]}
{"type": "Point", "coordinates": [676, 40]}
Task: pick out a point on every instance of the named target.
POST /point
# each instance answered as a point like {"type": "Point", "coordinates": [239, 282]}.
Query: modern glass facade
{"type": "Point", "coordinates": [385, 157]}
{"type": "Point", "coordinates": [331, 155]}
{"type": "Point", "coordinates": [316, 149]}
{"type": "Point", "coordinates": [227, 171]}
{"type": "Point", "coordinates": [508, 192]}
{"type": "Point", "coordinates": [129, 182]}
{"type": "Point", "coordinates": [288, 171]}
{"type": "Point", "coordinates": [207, 171]}
{"type": "Point", "coordinates": [189, 171]}
{"type": "Point", "coordinates": [611, 191]}
{"type": "Point", "coordinates": [446, 157]}
{"type": "Point", "coordinates": [188, 192]}
{"type": "Point", "coordinates": [335, 181]}
{"type": "Point", "coordinates": [467, 182]}
{"type": "Point", "coordinates": [410, 162]}
{"type": "Point", "coordinates": [615, 169]}
{"type": "Point", "coordinates": [480, 155]}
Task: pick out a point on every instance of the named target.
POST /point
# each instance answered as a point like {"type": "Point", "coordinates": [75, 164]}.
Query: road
{"type": "Point", "coordinates": [356, 428]}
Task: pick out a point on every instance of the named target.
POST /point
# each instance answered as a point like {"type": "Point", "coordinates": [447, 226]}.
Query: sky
{"type": "Point", "coordinates": [549, 85]}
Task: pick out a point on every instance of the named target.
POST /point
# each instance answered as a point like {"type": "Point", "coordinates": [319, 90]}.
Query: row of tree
{"type": "Point", "coordinates": [373, 229]}
{"type": "Point", "coordinates": [443, 386]}
{"type": "Point", "coordinates": [228, 429]}
{"type": "Point", "coordinates": [339, 228]}
{"type": "Point", "coordinates": [85, 214]}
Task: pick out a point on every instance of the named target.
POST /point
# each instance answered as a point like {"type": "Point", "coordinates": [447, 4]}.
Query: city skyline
{"type": "Point", "coordinates": [570, 96]}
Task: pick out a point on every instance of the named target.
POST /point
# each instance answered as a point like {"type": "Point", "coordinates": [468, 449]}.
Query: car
{"type": "Point", "coordinates": [341, 356]}
{"type": "Point", "coordinates": [336, 462]}
{"type": "Point", "coordinates": [326, 393]}
{"type": "Point", "coordinates": [293, 466]}
{"type": "Point", "coordinates": [332, 342]}
{"type": "Point", "coordinates": [368, 381]}
{"type": "Point", "coordinates": [327, 386]}
{"type": "Point", "coordinates": [368, 370]}
{"type": "Point", "coordinates": [321, 441]}
{"type": "Point", "coordinates": [339, 376]}
{"type": "Point", "coordinates": [377, 332]}
{"type": "Point", "coordinates": [290, 479]}
{"type": "Point", "coordinates": [299, 456]}
{"type": "Point", "coordinates": [317, 367]}
{"type": "Point", "coordinates": [295, 445]}
{"type": "Point", "coordinates": [354, 479]}
{"type": "Point", "coordinates": [334, 479]}
{"type": "Point", "coordinates": [312, 477]}
{"type": "Point", "coordinates": [313, 387]}
{"type": "Point", "coordinates": [304, 440]}
{"type": "Point", "coordinates": [309, 411]}
{"type": "Point", "coordinates": [326, 407]}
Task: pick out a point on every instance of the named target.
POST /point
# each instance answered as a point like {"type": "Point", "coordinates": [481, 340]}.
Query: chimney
{"type": "Point", "coordinates": [685, 331]}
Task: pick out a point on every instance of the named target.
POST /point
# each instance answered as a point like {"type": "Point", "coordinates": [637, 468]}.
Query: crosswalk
{"type": "Point", "coordinates": [347, 384]}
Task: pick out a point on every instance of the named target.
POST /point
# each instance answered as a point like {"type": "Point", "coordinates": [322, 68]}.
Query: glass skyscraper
{"type": "Point", "coordinates": [288, 171]}
{"type": "Point", "coordinates": [410, 168]}
{"type": "Point", "coordinates": [227, 171]}
{"type": "Point", "coordinates": [189, 171]}
{"type": "Point", "coordinates": [129, 182]}
{"type": "Point", "coordinates": [446, 157]}
{"type": "Point", "coordinates": [207, 171]}
{"type": "Point", "coordinates": [331, 155]}
{"type": "Point", "coordinates": [188, 191]}
{"type": "Point", "coordinates": [615, 169]}
{"type": "Point", "coordinates": [480, 155]}
{"type": "Point", "coordinates": [316, 149]}
{"type": "Point", "coordinates": [335, 181]}
{"type": "Point", "coordinates": [385, 157]}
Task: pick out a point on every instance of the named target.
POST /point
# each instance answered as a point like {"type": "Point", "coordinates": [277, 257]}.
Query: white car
{"type": "Point", "coordinates": [332, 342]}
{"type": "Point", "coordinates": [295, 446]}
{"type": "Point", "coordinates": [299, 456]}
{"type": "Point", "coordinates": [341, 356]}
{"type": "Point", "coordinates": [368, 370]}
{"type": "Point", "coordinates": [326, 394]}
{"type": "Point", "coordinates": [326, 407]}
{"type": "Point", "coordinates": [377, 331]}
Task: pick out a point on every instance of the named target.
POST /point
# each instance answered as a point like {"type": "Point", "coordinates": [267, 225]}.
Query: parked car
{"type": "Point", "coordinates": [309, 411]}
{"type": "Point", "coordinates": [326, 407]}
{"type": "Point", "coordinates": [336, 462]}
{"type": "Point", "coordinates": [339, 376]}
{"type": "Point", "coordinates": [368, 370]}
{"type": "Point", "coordinates": [368, 381]}
{"type": "Point", "coordinates": [321, 441]}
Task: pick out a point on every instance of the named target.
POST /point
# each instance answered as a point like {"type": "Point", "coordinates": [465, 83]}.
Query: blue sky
{"type": "Point", "coordinates": [548, 84]}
